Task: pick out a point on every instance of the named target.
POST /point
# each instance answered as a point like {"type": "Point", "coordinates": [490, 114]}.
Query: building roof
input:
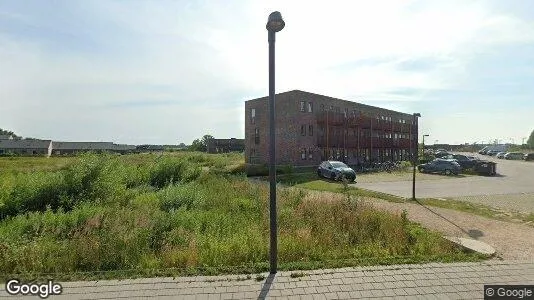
{"type": "Point", "coordinates": [82, 145]}
{"type": "Point", "coordinates": [332, 98]}
{"type": "Point", "coordinates": [25, 144]}
{"type": "Point", "coordinates": [5, 137]}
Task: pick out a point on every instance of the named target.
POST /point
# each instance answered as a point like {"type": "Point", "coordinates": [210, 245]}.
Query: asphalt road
{"type": "Point", "coordinates": [513, 177]}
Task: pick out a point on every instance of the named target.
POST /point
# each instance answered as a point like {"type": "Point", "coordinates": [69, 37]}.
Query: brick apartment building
{"type": "Point", "coordinates": [311, 128]}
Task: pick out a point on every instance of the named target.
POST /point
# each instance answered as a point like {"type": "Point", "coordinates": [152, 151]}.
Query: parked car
{"type": "Point", "coordinates": [492, 152]}
{"type": "Point", "coordinates": [514, 155]}
{"type": "Point", "coordinates": [529, 156]}
{"type": "Point", "coordinates": [464, 161]}
{"type": "Point", "coordinates": [494, 149]}
{"type": "Point", "coordinates": [336, 170]}
{"type": "Point", "coordinates": [438, 165]}
{"type": "Point", "coordinates": [500, 154]}
{"type": "Point", "coordinates": [441, 154]}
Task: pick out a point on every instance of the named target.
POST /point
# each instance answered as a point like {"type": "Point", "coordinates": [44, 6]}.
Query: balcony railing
{"type": "Point", "coordinates": [364, 142]}
{"type": "Point", "coordinates": [332, 118]}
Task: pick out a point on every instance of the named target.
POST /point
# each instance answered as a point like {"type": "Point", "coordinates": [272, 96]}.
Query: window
{"type": "Point", "coordinates": [310, 107]}
{"type": "Point", "coordinates": [322, 107]}
{"type": "Point", "coordinates": [346, 112]}
{"type": "Point", "coordinates": [337, 109]}
{"type": "Point", "coordinates": [302, 103]}
{"type": "Point", "coordinates": [302, 129]}
{"type": "Point", "coordinates": [331, 107]}
{"type": "Point", "coordinates": [303, 153]}
{"type": "Point", "coordinates": [310, 129]}
{"type": "Point", "coordinates": [310, 153]}
{"type": "Point", "coordinates": [253, 115]}
{"type": "Point", "coordinates": [256, 136]}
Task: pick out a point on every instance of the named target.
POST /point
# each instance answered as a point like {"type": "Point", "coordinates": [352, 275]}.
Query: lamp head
{"type": "Point", "coordinates": [275, 22]}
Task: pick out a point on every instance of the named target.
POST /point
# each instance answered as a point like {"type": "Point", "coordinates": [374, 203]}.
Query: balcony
{"type": "Point", "coordinates": [332, 118]}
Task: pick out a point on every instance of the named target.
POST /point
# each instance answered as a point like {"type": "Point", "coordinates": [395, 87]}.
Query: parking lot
{"type": "Point", "coordinates": [512, 188]}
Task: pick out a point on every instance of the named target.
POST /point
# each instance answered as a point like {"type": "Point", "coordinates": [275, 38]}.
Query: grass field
{"type": "Point", "coordinates": [106, 216]}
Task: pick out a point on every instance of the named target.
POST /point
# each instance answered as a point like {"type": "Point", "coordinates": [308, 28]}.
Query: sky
{"type": "Point", "coordinates": [167, 72]}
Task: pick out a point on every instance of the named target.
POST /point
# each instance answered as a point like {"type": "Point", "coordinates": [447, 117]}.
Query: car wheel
{"type": "Point", "coordinates": [448, 172]}
{"type": "Point", "coordinates": [333, 176]}
{"type": "Point", "coordinates": [319, 173]}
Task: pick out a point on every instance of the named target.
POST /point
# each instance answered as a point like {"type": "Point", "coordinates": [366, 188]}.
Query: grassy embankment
{"type": "Point", "coordinates": [100, 216]}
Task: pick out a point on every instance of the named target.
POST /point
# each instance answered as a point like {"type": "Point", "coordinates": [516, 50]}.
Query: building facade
{"type": "Point", "coordinates": [26, 147]}
{"type": "Point", "coordinates": [225, 145]}
{"type": "Point", "coordinates": [311, 128]}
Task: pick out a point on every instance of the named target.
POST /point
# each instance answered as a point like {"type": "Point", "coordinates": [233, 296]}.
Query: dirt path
{"type": "Point", "coordinates": [510, 240]}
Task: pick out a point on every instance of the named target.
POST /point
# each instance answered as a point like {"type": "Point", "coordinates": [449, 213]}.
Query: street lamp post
{"type": "Point", "coordinates": [415, 115]}
{"type": "Point", "coordinates": [275, 23]}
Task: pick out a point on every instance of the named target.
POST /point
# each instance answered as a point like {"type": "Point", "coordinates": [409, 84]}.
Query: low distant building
{"type": "Point", "coordinates": [150, 148]}
{"type": "Point", "coordinates": [6, 137]}
{"type": "Point", "coordinates": [225, 145]}
{"type": "Point", "coordinates": [124, 149]}
{"type": "Point", "coordinates": [26, 147]}
{"type": "Point", "coordinates": [69, 148]}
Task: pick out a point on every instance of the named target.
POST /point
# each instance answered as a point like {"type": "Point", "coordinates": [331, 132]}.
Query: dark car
{"type": "Point", "coordinates": [464, 161]}
{"type": "Point", "coordinates": [529, 156]}
{"type": "Point", "coordinates": [336, 170]}
{"type": "Point", "coordinates": [514, 155]}
{"type": "Point", "coordinates": [443, 166]}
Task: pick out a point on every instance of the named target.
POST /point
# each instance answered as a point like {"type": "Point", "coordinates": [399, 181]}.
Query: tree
{"type": "Point", "coordinates": [201, 144]}
{"type": "Point", "coordinates": [530, 141]}
{"type": "Point", "coordinates": [196, 146]}
{"type": "Point", "coordinates": [205, 140]}
{"type": "Point", "coordinates": [7, 132]}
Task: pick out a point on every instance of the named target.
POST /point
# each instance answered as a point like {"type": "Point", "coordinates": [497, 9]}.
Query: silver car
{"type": "Point", "coordinates": [501, 154]}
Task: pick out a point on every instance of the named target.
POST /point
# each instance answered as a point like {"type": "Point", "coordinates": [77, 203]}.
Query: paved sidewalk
{"type": "Point", "coordinates": [423, 281]}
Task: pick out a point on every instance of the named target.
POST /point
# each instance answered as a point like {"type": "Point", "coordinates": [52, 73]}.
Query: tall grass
{"type": "Point", "coordinates": [103, 214]}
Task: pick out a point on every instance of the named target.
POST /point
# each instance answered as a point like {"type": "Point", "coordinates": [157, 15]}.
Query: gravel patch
{"type": "Point", "coordinates": [522, 202]}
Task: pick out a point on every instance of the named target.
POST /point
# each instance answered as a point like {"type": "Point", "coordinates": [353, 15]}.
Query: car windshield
{"type": "Point", "coordinates": [337, 164]}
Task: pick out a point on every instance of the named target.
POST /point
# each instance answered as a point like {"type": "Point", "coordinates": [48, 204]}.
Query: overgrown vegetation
{"type": "Point", "coordinates": [104, 216]}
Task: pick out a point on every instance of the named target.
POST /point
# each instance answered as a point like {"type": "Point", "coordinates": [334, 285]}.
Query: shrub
{"type": "Point", "coordinates": [180, 196]}
{"type": "Point", "coordinates": [170, 170]}
{"type": "Point", "coordinates": [34, 192]}
{"type": "Point", "coordinates": [94, 178]}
